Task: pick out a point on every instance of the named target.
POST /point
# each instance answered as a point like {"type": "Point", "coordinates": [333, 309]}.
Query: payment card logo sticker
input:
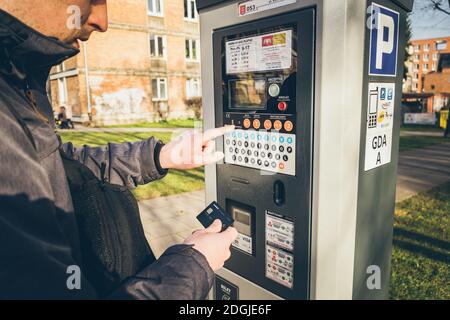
{"type": "Point", "coordinates": [384, 25]}
{"type": "Point", "coordinates": [380, 123]}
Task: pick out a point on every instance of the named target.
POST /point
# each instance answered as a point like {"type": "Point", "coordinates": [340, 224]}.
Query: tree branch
{"type": "Point", "coordinates": [437, 5]}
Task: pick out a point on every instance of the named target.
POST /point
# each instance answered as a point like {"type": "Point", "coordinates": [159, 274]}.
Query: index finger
{"type": "Point", "coordinates": [216, 132]}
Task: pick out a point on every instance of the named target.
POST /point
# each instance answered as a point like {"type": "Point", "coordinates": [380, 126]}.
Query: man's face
{"type": "Point", "coordinates": [67, 20]}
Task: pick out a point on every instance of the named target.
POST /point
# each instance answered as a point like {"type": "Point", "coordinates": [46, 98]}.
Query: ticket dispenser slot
{"type": "Point", "coordinates": [263, 78]}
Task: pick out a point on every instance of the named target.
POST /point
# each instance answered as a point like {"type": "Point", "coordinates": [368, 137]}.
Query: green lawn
{"type": "Point", "coordinates": [413, 142]}
{"type": "Point", "coordinates": [177, 123]}
{"type": "Point", "coordinates": [421, 252]}
{"type": "Point", "coordinates": [175, 182]}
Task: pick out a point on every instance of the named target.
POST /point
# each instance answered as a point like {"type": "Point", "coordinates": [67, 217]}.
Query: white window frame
{"type": "Point", "coordinates": [164, 44]}
{"type": "Point", "coordinates": [426, 57]}
{"type": "Point", "coordinates": [425, 67]}
{"type": "Point", "coordinates": [191, 51]}
{"type": "Point", "coordinates": [63, 98]}
{"type": "Point", "coordinates": [426, 47]}
{"type": "Point", "coordinates": [434, 66]}
{"type": "Point", "coordinates": [154, 13]}
{"type": "Point", "coordinates": [435, 56]}
{"type": "Point", "coordinates": [159, 82]}
{"type": "Point", "coordinates": [417, 48]}
{"type": "Point", "coordinates": [189, 86]}
{"type": "Point", "coordinates": [189, 10]}
{"type": "Point", "coordinates": [416, 57]}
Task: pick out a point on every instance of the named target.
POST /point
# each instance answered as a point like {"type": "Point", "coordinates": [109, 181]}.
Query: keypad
{"type": "Point", "coordinates": [269, 151]}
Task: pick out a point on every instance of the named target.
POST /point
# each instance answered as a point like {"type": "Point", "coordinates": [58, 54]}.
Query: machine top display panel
{"type": "Point", "coordinates": [259, 70]}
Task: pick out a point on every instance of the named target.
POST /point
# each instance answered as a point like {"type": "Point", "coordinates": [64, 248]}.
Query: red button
{"type": "Point", "coordinates": [282, 106]}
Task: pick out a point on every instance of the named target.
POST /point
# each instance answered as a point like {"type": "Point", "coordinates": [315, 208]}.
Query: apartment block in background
{"type": "Point", "coordinates": [146, 67]}
{"type": "Point", "coordinates": [424, 58]}
{"type": "Point", "coordinates": [427, 82]}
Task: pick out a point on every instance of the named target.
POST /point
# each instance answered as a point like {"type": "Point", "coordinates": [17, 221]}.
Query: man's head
{"type": "Point", "coordinates": [67, 20]}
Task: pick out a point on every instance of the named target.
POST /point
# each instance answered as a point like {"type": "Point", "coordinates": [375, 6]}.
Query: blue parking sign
{"type": "Point", "coordinates": [383, 41]}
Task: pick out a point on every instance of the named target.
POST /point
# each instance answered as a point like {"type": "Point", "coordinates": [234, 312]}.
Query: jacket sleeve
{"type": "Point", "coordinates": [181, 273]}
{"type": "Point", "coordinates": [128, 164]}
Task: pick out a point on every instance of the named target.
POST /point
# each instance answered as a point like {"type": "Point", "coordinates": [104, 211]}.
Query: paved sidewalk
{"type": "Point", "coordinates": [422, 169]}
{"type": "Point", "coordinates": [170, 220]}
{"type": "Point", "coordinates": [421, 133]}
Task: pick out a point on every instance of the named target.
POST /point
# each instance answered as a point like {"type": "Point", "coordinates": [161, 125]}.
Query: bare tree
{"type": "Point", "coordinates": [439, 6]}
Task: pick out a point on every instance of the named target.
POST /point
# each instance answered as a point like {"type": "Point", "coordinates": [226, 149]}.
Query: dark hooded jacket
{"type": "Point", "coordinates": [38, 230]}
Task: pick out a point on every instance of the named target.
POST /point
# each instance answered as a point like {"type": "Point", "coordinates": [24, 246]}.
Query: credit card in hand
{"type": "Point", "coordinates": [212, 213]}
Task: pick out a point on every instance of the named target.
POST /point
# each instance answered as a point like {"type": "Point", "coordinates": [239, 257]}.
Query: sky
{"type": "Point", "coordinates": [428, 23]}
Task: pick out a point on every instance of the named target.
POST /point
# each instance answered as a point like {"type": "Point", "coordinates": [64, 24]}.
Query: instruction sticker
{"type": "Point", "coordinates": [254, 6]}
{"type": "Point", "coordinates": [380, 124]}
{"type": "Point", "coordinates": [271, 51]}
{"type": "Point", "coordinates": [280, 249]}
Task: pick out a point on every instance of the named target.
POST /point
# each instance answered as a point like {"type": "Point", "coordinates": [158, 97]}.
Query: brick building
{"type": "Point", "coordinates": [438, 84]}
{"type": "Point", "coordinates": [424, 59]}
{"type": "Point", "coordinates": [146, 67]}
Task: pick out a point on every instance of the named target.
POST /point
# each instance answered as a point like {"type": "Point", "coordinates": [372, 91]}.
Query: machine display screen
{"type": "Point", "coordinates": [247, 94]}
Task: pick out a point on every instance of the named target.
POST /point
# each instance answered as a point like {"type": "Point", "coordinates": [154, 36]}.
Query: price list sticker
{"type": "Point", "coordinates": [267, 52]}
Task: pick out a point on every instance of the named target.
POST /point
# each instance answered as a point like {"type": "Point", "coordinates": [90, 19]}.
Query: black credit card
{"type": "Point", "coordinates": [212, 213]}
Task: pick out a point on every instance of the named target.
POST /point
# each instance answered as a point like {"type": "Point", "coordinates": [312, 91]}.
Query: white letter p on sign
{"type": "Point", "coordinates": [384, 46]}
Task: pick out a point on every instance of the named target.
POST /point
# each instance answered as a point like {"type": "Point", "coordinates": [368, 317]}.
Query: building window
{"type": "Point", "coordinates": [159, 89]}
{"type": "Point", "coordinates": [417, 57]}
{"type": "Point", "coordinates": [441, 45]}
{"type": "Point", "coordinates": [157, 46]}
{"type": "Point", "coordinates": [155, 7]}
{"type": "Point", "coordinates": [61, 67]}
{"type": "Point", "coordinates": [426, 47]}
{"type": "Point", "coordinates": [426, 57]}
{"type": "Point", "coordinates": [416, 76]}
{"type": "Point", "coordinates": [62, 92]}
{"type": "Point", "coordinates": [192, 47]}
{"type": "Point", "coordinates": [435, 56]}
{"type": "Point", "coordinates": [190, 10]}
{"type": "Point", "coordinates": [425, 67]}
{"type": "Point", "coordinates": [417, 66]}
{"type": "Point", "coordinates": [416, 86]}
{"type": "Point", "coordinates": [417, 48]}
{"type": "Point", "coordinates": [434, 66]}
{"type": "Point", "coordinates": [192, 88]}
